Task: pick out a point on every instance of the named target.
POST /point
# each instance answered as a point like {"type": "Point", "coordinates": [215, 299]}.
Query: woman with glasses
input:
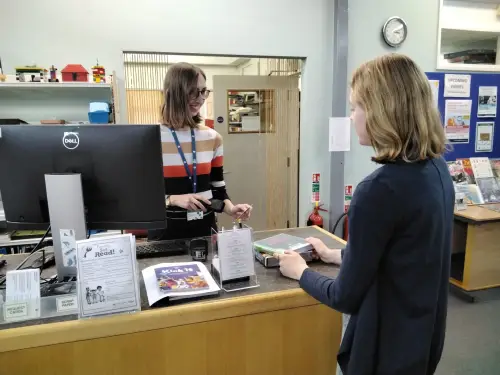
{"type": "Point", "coordinates": [192, 160]}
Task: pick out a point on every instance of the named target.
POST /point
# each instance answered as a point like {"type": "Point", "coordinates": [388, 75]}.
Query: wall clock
{"type": "Point", "coordinates": [395, 31]}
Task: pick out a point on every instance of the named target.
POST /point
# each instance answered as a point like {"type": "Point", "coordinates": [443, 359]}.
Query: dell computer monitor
{"type": "Point", "coordinates": [120, 167]}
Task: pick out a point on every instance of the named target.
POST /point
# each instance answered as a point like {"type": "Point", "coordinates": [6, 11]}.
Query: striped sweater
{"type": "Point", "coordinates": [209, 158]}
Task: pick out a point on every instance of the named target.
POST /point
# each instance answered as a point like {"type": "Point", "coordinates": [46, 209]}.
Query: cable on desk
{"type": "Point", "coordinates": [40, 242]}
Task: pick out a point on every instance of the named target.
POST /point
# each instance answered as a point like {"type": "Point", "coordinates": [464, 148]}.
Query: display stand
{"type": "Point", "coordinates": [233, 264]}
{"type": "Point", "coordinates": [67, 220]}
{"type": "Point", "coordinates": [48, 307]}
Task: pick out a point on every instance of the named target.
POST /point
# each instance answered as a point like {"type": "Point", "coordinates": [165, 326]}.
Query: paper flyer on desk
{"type": "Point", "coordinates": [457, 120]}
{"type": "Point", "coordinates": [487, 101]}
{"type": "Point", "coordinates": [107, 276]}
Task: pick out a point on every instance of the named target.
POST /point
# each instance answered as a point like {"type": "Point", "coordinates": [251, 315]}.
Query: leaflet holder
{"type": "Point", "coordinates": [233, 263]}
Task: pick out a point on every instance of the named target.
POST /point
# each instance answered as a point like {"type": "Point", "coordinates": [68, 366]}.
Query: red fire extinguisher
{"type": "Point", "coordinates": [315, 218]}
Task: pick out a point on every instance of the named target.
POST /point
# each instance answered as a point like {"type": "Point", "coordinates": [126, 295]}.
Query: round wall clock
{"type": "Point", "coordinates": [394, 31]}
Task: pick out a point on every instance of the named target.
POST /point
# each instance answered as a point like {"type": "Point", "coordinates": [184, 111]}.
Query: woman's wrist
{"type": "Point", "coordinates": [228, 207]}
{"type": "Point", "coordinates": [172, 200]}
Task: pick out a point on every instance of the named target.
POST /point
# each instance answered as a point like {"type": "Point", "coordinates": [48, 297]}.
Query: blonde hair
{"type": "Point", "coordinates": [181, 81]}
{"type": "Point", "coordinates": [402, 119]}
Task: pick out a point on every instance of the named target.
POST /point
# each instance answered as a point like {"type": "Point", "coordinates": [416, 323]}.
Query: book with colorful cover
{"type": "Point", "coordinates": [457, 172]}
{"type": "Point", "coordinates": [467, 167]}
{"type": "Point", "coordinates": [179, 278]}
{"type": "Point", "coordinates": [472, 194]}
{"type": "Point", "coordinates": [495, 166]}
{"type": "Point", "coordinates": [178, 281]}
{"type": "Point", "coordinates": [490, 189]}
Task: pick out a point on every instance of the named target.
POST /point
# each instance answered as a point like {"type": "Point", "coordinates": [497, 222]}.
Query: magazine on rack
{"type": "Point", "coordinates": [176, 281]}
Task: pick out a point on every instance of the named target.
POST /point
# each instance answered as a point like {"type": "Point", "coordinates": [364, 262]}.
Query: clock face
{"type": "Point", "coordinates": [394, 31]}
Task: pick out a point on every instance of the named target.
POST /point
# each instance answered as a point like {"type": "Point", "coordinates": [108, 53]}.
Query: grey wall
{"type": "Point", "coordinates": [75, 31]}
{"type": "Point", "coordinates": [366, 19]}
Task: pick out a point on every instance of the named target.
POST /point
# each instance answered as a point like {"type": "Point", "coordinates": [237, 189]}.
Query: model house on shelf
{"type": "Point", "coordinates": [75, 73]}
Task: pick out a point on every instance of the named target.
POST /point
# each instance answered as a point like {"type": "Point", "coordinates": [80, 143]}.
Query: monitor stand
{"type": "Point", "coordinates": [67, 220]}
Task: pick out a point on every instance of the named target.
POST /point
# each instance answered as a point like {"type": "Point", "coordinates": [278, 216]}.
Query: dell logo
{"type": "Point", "coordinates": [71, 140]}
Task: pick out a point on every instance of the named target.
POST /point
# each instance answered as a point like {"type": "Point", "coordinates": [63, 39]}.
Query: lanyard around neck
{"type": "Point", "coordinates": [192, 176]}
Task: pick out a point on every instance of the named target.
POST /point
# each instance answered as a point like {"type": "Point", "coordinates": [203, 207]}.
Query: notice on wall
{"type": "Point", "coordinates": [484, 136]}
{"type": "Point", "coordinates": [339, 134]}
{"type": "Point", "coordinates": [457, 85]}
{"type": "Point", "coordinates": [487, 101]}
{"type": "Point", "coordinates": [457, 120]}
{"type": "Point", "coordinates": [315, 188]}
{"type": "Point", "coordinates": [435, 90]}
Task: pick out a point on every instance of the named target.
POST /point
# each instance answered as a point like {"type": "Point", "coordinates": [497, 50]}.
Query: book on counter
{"type": "Point", "coordinates": [282, 242]}
{"type": "Point", "coordinates": [176, 281]}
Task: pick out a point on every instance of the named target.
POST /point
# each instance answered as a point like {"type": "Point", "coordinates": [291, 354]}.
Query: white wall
{"type": "Point", "coordinates": [86, 30]}
{"type": "Point", "coordinates": [365, 22]}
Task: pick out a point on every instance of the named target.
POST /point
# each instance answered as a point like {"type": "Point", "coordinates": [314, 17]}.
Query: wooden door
{"type": "Point", "coordinates": [258, 118]}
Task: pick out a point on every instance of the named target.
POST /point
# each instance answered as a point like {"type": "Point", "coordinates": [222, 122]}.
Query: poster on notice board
{"type": "Point", "coordinates": [457, 85]}
{"type": "Point", "coordinates": [484, 136]}
{"type": "Point", "coordinates": [457, 120]}
{"type": "Point", "coordinates": [487, 101]}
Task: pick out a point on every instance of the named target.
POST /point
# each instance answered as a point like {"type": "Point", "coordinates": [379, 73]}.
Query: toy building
{"type": "Point", "coordinates": [75, 73]}
{"type": "Point", "coordinates": [30, 74]}
{"type": "Point", "coordinates": [99, 73]}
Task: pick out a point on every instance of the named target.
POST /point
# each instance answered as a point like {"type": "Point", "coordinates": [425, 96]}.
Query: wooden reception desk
{"type": "Point", "coordinates": [476, 249]}
{"type": "Point", "coordinates": [274, 329]}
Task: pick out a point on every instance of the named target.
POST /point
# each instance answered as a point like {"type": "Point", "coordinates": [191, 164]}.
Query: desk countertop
{"type": "Point", "coordinates": [478, 214]}
{"type": "Point", "coordinates": [270, 279]}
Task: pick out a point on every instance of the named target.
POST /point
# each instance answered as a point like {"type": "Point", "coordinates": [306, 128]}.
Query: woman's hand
{"type": "Point", "coordinates": [322, 252]}
{"type": "Point", "coordinates": [292, 265]}
{"type": "Point", "coordinates": [240, 211]}
{"type": "Point", "coordinates": [190, 202]}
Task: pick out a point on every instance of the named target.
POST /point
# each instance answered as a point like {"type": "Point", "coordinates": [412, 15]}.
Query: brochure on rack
{"type": "Point", "coordinates": [175, 281]}
{"type": "Point", "coordinates": [107, 276]}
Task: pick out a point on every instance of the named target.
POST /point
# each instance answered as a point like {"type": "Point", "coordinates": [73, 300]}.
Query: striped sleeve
{"type": "Point", "coordinates": [217, 170]}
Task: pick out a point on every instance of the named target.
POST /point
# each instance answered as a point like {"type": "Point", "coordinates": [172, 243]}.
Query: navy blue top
{"type": "Point", "coordinates": [394, 274]}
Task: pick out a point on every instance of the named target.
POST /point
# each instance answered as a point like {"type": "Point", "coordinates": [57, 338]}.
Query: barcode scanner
{"type": "Point", "coordinates": [216, 205]}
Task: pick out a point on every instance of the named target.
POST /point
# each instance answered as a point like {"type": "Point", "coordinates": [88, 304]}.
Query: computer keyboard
{"type": "Point", "coordinates": [161, 249]}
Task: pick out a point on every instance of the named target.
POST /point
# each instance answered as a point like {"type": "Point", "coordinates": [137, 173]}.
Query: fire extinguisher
{"type": "Point", "coordinates": [315, 218]}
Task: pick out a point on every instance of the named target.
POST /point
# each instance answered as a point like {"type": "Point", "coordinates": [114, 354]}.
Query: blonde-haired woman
{"type": "Point", "coordinates": [393, 278]}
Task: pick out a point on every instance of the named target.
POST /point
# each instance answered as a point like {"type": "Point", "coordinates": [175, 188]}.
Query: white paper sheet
{"type": "Point", "coordinates": [22, 295]}
{"type": "Point", "coordinates": [107, 276]}
{"type": "Point", "coordinates": [487, 101]}
{"type": "Point", "coordinates": [484, 136]}
{"type": "Point", "coordinates": [435, 90]}
{"type": "Point", "coordinates": [236, 257]}
{"type": "Point", "coordinates": [457, 85]}
{"type": "Point", "coordinates": [339, 134]}
{"type": "Point", "coordinates": [481, 168]}
{"type": "Point", "coordinates": [457, 120]}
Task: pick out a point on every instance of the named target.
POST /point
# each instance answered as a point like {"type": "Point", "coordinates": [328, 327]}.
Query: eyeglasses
{"type": "Point", "coordinates": [195, 94]}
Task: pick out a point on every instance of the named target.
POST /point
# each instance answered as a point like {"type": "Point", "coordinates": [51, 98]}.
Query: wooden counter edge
{"type": "Point", "coordinates": [191, 313]}
{"type": "Point", "coordinates": [478, 214]}
{"type": "Point", "coordinates": [77, 330]}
